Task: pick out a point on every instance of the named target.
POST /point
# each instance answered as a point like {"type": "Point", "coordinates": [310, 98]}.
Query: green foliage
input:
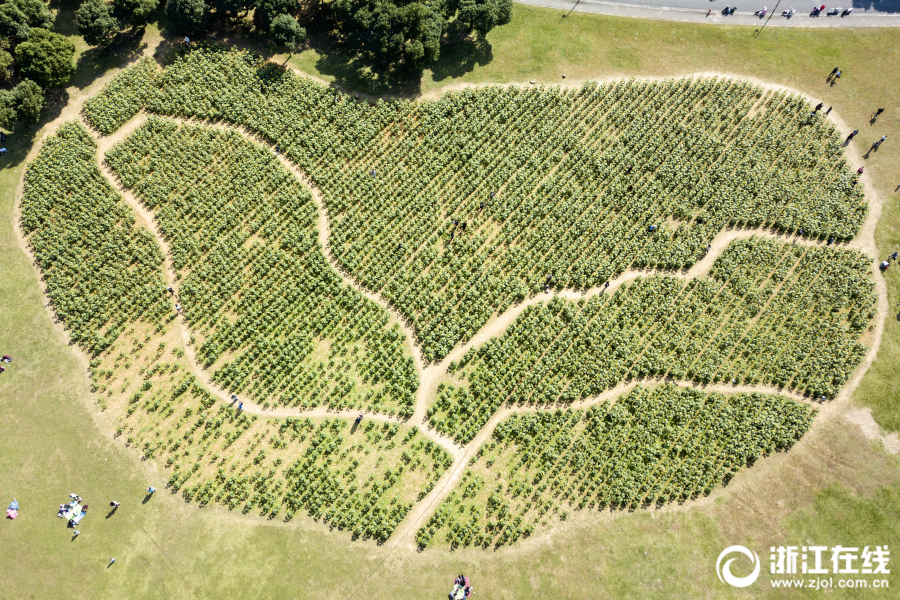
{"type": "Point", "coordinates": [46, 58]}
{"type": "Point", "coordinates": [22, 103]}
{"type": "Point", "coordinates": [188, 16]}
{"type": "Point", "coordinates": [395, 31]}
{"type": "Point", "coordinates": [134, 11]}
{"type": "Point", "coordinates": [19, 17]}
{"type": "Point", "coordinates": [29, 101]}
{"type": "Point", "coordinates": [653, 446]}
{"type": "Point", "coordinates": [101, 271]}
{"type": "Point", "coordinates": [267, 10]}
{"type": "Point", "coordinates": [484, 15]}
{"type": "Point", "coordinates": [95, 23]}
{"type": "Point", "coordinates": [6, 65]}
{"type": "Point", "coordinates": [286, 31]}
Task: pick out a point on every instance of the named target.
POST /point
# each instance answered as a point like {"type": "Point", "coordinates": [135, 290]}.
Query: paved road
{"type": "Point", "coordinates": [866, 13]}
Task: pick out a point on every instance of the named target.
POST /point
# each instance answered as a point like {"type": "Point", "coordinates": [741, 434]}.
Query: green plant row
{"type": "Point", "coordinates": [362, 478]}
{"type": "Point", "coordinates": [102, 272]}
{"type": "Point", "coordinates": [769, 312]}
{"type": "Point", "coordinates": [556, 187]}
{"type": "Point", "coordinates": [652, 446]}
{"type": "Point", "coordinates": [278, 322]}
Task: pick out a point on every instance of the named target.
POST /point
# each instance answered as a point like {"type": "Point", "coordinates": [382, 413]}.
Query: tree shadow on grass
{"type": "Point", "coordinates": [96, 62]}
{"type": "Point", "coordinates": [374, 76]}
{"type": "Point", "coordinates": [462, 57]}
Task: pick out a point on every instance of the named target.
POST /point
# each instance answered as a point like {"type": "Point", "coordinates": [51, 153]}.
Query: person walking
{"type": "Point", "coordinates": [881, 141]}
{"type": "Point", "coordinates": [833, 71]}
{"type": "Point", "coordinates": [114, 504]}
{"type": "Point", "coordinates": [151, 490]}
{"type": "Point", "coordinates": [76, 533]}
{"type": "Point", "coordinates": [836, 77]}
{"type": "Point", "coordinates": [240, 406]}
{"type": "Point", "coordinates": [852, 135]}
{"type": "Point", "coordinates": [878, 112]}
{"type": "Point", "coordinates": [112, 560]}
{"type": "Point", "coordinates": [860, 170]}
{"type": "Point", "coordinates": [819, 106]}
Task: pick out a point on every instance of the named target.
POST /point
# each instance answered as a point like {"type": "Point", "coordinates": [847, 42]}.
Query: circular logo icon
{"type": "Point", "coordinates": [724, 571]}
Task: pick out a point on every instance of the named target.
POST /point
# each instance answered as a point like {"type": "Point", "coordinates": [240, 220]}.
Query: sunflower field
{"type": "Point", "coordinates": [455, 208]}
{"type": "Point", "coordinates": [650, 447]}
{"type": "Point", "coordinates": [769, 312]}
{"type": "Point", "coordinates": [277, 320]}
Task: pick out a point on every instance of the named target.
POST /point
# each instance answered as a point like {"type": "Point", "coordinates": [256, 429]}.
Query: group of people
{"type": "Point", "coordinates": [6, 359]}
{"type": "Point", "coordinates": [461, 589]}
{"type": "Point", "coordinates": [73, 510]}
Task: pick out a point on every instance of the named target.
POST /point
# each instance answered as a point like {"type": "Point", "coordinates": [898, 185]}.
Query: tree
{"type": "Point", "coordinates": [96, 25]}
{"type": "Point", "coordinates": [135, 12]}
{"type": "Point", "coordinates": [286, 31]}
{"type": "Point", "coordinates": [484, 15]}
{"type": "Point", "coordinates": [6, 65]}
{"type": "Point", "coordinates": [22, 103]}
{"type": "Point", "coordinates": [18, 17]}
{"type": "Point", "coordinates": [188, 16]}
{"type": "Point", "coordinates": [29, 101]}
{"type": "Point", "coordinates": [46, 58]}
{"type": "Point", "coordinates": [267, 10]}
{"type": "Point", "coordinates": [412, 31]}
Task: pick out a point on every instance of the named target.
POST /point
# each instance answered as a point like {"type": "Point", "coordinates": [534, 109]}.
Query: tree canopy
{"type": "Point", "coordinates": [286, 31]}
{"type": "Point", "coordinates": [189, 16]}
{"type": "Point", "coordinates": [134, 11]}
{"type": "Point", "coordinates": [95, 23]}
{"type": "Point", "coordinates": [267, 10]}
{"type": "Point", "coordinates": [18, 17]}
{"type": "Point", "coordinates": [22, 103]}
{"type": "Point", "coordinates": [46, 58]}
{"type": "Point", "coordinates": [413, 31]}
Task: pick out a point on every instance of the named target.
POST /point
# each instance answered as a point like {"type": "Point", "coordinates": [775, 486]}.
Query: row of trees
{"type": "Point", "coordinates": [101, 22]}
{"type": "Point", "coordinates": [408, 31]}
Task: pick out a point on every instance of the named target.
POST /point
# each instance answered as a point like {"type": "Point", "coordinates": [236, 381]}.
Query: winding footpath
{"type": "Point", "coordinates": [432, 374]}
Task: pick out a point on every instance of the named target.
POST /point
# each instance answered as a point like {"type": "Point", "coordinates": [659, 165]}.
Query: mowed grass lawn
{"type": "Point", "coordinates": [835, 487]}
